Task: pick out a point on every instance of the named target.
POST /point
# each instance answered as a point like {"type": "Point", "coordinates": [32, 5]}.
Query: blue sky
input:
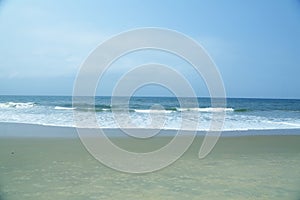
{"type": "Point", "coordinates": [255, 44]}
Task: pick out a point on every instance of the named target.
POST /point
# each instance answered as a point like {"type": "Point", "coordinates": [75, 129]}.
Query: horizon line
{"type": "Point", "coordinates": [149, 96]}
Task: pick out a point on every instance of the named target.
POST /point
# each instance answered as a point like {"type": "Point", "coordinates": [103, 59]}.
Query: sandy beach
{"type": "Point", "coordinates": [126, 100]}
{"type": "Point", "coordinates": [57, 166]}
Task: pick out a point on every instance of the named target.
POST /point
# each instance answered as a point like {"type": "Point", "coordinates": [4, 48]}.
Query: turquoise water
{"type": "Point", "coordinates": [241, 114]}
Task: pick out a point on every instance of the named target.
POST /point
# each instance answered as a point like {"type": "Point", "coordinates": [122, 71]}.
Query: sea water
{"type": "Point", "coordinates": [143, 112]}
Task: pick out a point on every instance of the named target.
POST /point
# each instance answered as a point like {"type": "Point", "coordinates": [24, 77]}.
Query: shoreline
{"type": "Point", "coordinates": [11, 130]}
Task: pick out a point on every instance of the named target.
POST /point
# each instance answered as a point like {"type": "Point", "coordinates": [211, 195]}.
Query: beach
{"type": "Point", "coordinates": [149, 100]}
{"type": "Point", "coordinates": [44, 162]}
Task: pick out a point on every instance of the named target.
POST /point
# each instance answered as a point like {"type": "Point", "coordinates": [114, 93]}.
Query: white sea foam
{"type": "Point", "coordinates": [63, 108]}
{"type": "Point", "coordinates": [294, 125]}
{"type": "Point", "coordinates": [152, 111]}
{"type": "Point", "coordinates": [209, 109]}
{"type": "Point", "coordinates": [17, 105]}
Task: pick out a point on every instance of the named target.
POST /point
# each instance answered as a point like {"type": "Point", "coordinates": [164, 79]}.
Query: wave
{"type": "Point", "coordinates": [135, 108]}
{"type": "Point", "coordinates": [17, 105]}
{"type": "Point", "coordinates": [152, 111]}
{"type": "Point", "coordinates": [170, 110]}
{"type": "Point", "coordinates": [241, 110]}
{"type": "Point", "coordinates": [292, 124]}
{"type": "Point", "coordinates": [63, 108]}
{"type": "Point", "coordinates": [209, 109]}
{"type": "Point", "coordinates": [108, 108]}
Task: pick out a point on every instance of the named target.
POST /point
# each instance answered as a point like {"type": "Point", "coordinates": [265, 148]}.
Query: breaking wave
{"type": "Point", "coordinates": [17, 105]}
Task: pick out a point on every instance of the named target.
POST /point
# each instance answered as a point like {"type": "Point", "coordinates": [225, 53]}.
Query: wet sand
{"type": "Point", "coordinates": [59, 167]}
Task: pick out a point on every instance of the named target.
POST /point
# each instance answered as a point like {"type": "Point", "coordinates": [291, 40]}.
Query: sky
{"type": "Point", "coordinates": [255, 44]}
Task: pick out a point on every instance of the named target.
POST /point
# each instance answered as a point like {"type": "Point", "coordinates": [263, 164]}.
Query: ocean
{"type": "Point", "coordinates": [241, 113]}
